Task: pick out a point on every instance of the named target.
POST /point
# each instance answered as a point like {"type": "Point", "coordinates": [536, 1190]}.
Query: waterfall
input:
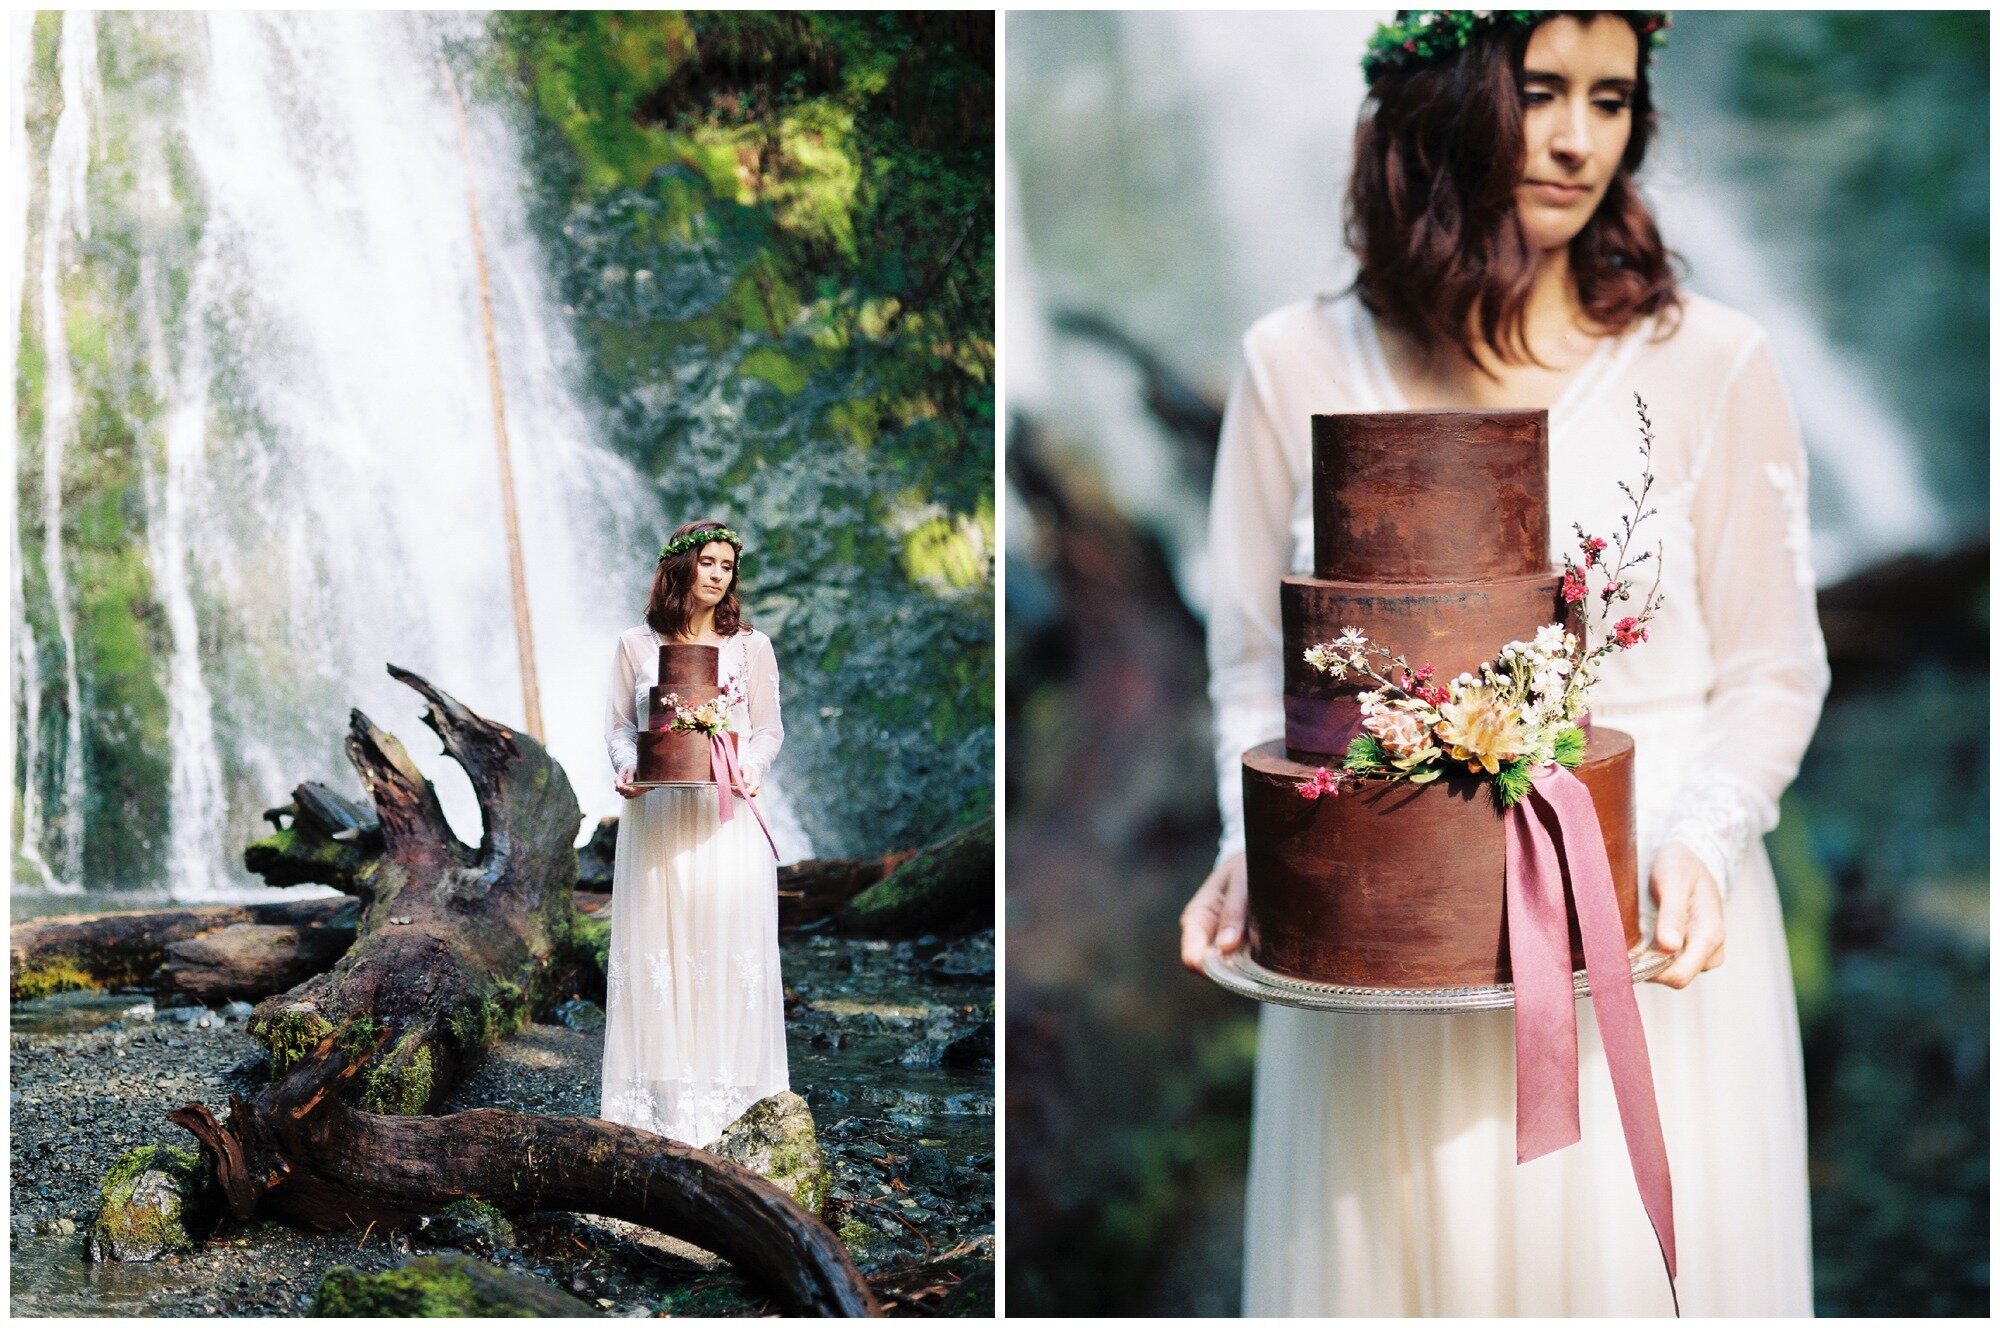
{"type": "Point", "coordinates": [66, 217]}
{"type": "Point", "coordinates": [322, 493]}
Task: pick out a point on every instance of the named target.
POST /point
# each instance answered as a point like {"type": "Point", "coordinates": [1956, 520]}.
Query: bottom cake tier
{"type": "Point", "coordinates": [1392, 884]}
{"type": "Point", "coordinates": [672, 757]}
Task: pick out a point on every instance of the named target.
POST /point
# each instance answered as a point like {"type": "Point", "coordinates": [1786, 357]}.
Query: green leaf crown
{"type": "Point", "coordinates": [694, 539]}
{"type": "Point", "coordinates": [1417, 36]}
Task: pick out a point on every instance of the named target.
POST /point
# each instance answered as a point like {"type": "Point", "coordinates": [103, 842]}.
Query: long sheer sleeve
{"type": "Point", "coordinates": [1754, 569]}
{"type": "Point", "coordinates": [621, 720]}
{"type": "Point", "coordinates": [767, 725]}
{"type": "Point", "coordinates": [1249, 547]}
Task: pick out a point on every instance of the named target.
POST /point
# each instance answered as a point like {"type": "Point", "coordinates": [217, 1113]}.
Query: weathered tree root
{"type": "Point", "coordinates": [298, 1151]}
{"type": "Point", "coordinates": [454, 947]}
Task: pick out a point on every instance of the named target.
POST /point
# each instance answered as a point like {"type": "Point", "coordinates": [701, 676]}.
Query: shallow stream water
{"type": "Point", "coordinates": [910, 1140]}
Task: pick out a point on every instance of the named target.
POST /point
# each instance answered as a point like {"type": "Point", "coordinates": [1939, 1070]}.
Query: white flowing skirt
{"type": "Point", "coordinates": [1382, 1172]}
{"type": "Point", "coordinates": [695, 1005]}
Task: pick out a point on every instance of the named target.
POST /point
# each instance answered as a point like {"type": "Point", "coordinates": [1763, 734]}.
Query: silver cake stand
{"type": "Point", "coordinates": [1239, 973]}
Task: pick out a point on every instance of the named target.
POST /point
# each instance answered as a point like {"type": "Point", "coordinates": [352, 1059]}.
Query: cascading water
{"type": "Point", "coordinates": [322, 494]}
{"type": "Point", "coordinates": [66, 220]}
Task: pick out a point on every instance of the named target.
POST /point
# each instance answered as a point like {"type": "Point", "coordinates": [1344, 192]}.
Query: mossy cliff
{"type": "Point", "coordinates": [774, 233]}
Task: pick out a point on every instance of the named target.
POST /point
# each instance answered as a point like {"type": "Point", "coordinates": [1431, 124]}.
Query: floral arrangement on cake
{"type": "Point", "coordinates": [1514, 714]}
{"type": "Point", "coordinates": [710, 717]}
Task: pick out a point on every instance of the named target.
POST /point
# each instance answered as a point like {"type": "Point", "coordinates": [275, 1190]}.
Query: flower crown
{"type": "Point", "coordinates": [694, 539]}
{"type": "Point", "coordinates": [1420, 35]}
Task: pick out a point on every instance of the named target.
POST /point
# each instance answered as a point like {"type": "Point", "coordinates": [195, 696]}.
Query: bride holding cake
{"type": "Point", "coordinates": [694, 1004]}
{"type": "Point", "coordinates": [1507, 262]}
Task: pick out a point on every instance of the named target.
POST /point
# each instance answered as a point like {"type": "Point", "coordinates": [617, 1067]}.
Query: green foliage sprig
{"type": "Point", "coordinates": [1416, 36]}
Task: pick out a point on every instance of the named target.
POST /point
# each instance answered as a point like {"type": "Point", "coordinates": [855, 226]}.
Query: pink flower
{"type": "Point", "coordinates": [1613, 590]}
{"type": "Point", "coordinates": [1629, 632]}
{"type": "Point", "coordinates": [1324, 783]}
{"type": "Point", "coordinates": [1573, 588]}
{"type": "Point", "coordinates": [1592, 546]}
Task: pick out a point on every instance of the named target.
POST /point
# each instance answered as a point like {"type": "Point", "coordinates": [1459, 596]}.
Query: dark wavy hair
{"type": "Point", "coordinates": [670, 606]}
{"type": "Point", "coordinates": [1438, 152]}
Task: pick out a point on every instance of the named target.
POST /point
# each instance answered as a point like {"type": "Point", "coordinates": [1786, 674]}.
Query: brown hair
{"type": "Point", "coordinates": [1438, 152]}
{"type": "Point", "coordinates": [670, 606]}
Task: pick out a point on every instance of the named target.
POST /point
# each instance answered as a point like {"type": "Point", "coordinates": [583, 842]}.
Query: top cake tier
{"type": "Point", "coordinates": [689, 665]}
{"type": "Point", "coordinates": [1409, 497]}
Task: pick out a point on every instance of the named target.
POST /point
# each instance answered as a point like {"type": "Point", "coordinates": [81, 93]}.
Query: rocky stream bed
{"type": "Point", "coordinates": [891, 1044]}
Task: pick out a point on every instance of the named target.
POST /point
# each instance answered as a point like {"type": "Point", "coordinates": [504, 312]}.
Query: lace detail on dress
{"type": "Point", "coordinates": [1719, 820]}
{"type": "Point", "coordinates": [749, 975]}
{"type": "Point", "coordinates": [660, 965]}
{"type": "Point", "coordinates": [1798, 529]}
{"type": "Point", "coordinates": [698, 1116]}
{"type": "Point", "coordinates": [616, 974]}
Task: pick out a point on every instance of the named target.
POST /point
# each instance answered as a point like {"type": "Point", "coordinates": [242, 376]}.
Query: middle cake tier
{"type": "Point", "coordinates": [1454, 626]}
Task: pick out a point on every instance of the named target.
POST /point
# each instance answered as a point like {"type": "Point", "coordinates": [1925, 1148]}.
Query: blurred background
{"type": "Point", "coordinates": [1172, 176]}
{"type": "Point", "coordinates": [741, 268]}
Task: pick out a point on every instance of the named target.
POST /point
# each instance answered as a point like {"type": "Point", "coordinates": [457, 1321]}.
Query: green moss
{"type": "Point", "coordinates": [400, 1082]}
{"type": "Point", "coordinates": [291, 1035]}
{"type": "Point", "coordinates": [132, 1225]}
{"type": "Point", "coordinates": [413, 1291]}
{"type": "Point", "coordinates": [441, 1286]}
{"type": "Point", "coordinates": [49, 977]}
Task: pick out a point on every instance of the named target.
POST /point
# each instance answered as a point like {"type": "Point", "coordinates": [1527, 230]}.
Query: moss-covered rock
{"type": "Point", "coordinates": [947, 887]}
{"type": "Point", "coordinates": [776, 1139]}
{"type": "Point", "coordinates": [469, 1224]}
{"type": "Point", "coordinates": [442, 1286]}
{"type": "Point", "coordinates": [146, 1204]}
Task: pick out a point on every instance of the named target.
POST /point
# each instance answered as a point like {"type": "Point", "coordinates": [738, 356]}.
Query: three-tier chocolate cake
{"type": "Point", "coordinates": [1431, 536]}
{"type": "Point", "coordinates": [688, 675]}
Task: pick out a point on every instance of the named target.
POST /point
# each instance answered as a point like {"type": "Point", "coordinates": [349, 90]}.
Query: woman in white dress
{"type": "Point", "coordinates": [1382, 1172]}
{"type": "Point", "coordinates": [695, 1008]}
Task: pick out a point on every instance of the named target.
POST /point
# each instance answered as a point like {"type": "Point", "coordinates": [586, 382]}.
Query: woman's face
{"type": "Point", "coordinates": [714, 569]}
{"type": "Point", "coordinates": [1577, 81]}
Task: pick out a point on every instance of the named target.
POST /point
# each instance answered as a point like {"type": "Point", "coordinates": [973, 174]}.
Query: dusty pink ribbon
{"type": "Point", "coordinates": [722, 762]}
{"type": "Point", "coordinates": [1553, 841]}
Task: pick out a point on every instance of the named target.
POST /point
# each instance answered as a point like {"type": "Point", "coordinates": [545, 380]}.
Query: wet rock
{"type": "Point", "coordinates": [468, 1224]}
{"type": "Point", "coordinates": [442, 1286]}
{"type": "Point", "coordinates": [776, 1139]}
{"type": "Point", "coordinates": [969, 959]}
{"type": "Point", "coordinates": [594, 860]}
{"type": "Point", "coordinates": [237, 1011]}
{"type": "Point", "coordinates": [819, 1095]}
{"type": "Point", "coordinates": [581, 1016]}
{"type": "Point", "coordinates": [927, 1167]}
{"type": "Point", "coordinates": [974, 1051]}
{"type": "Point", "coordinates": [149, 1199]}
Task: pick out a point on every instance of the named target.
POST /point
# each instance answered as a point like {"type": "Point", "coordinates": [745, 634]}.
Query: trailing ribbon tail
{"type": "Point", "coordinates": [1554, 841]}
{"type": "Point", "coordinates": [729, 779]}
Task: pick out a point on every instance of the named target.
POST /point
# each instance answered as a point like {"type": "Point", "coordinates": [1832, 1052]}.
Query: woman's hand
{"type": "Point", "coordinates": [623, 782]}
{"type": "Point", "coordinates": [1690, 920]}
{"type": "Point", "coordinates": [1215, 915]}
{"type": "Point", "coordinates": [752, 782]}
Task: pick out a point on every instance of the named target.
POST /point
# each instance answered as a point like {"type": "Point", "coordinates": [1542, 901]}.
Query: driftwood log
{"type": "Point", "coordinates": [816, 888]}
{"type": "Point", "coordinates": [96, 951]}
{"type": "Point", "coordinates": [248, 961]}
{"type": "Point", "coordinates": [454, 948]}
{"type": "Point", "coordinates": [946, 888]}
